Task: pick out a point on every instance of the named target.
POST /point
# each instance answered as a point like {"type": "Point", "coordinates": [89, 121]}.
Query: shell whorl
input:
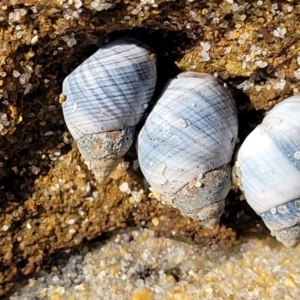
{"type": "Point", "coordinates": [268, 170]}
{"type": "Point", "coordinates": [108, 93]}
{"type": "Point", "coordinates": [109, 90]}
{"type": "Point", "coordinates": [191, 131]}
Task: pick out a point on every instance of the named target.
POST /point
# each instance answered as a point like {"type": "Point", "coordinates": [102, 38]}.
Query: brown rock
{"type": "Point", "coordinates": [49, 200]}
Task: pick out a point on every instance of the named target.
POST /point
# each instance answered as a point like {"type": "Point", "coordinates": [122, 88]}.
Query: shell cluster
{"type": "Point", "coordinates": [268, 170]}
{"type": "Point", "coordinates": [187, 142]}
{"type": "Point", "coordinates": [106, 97]}
{"type": "Point", "coordinates": [185, 147]}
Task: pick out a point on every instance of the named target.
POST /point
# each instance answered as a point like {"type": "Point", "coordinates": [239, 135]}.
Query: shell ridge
{"type": "Point", "coordinates": [133, 94]}
{"type": "Point", "coordinates": [218, 104]}
{"type": "Point", "coordinates": [284, 144]}
{"type": "Point", "coordinates": [117, 50]}
{"type": "Point", "coordinates": [83, 105]}
{"type": "Point", "coordinates": [283, 221]}
{"type": "Point", "coordinates": [150, 157]}
{"type": "Point", "coordinates": [171, 148]}
{"type": "Point", "coordinates": [197, 125]}
{"type": "Point", "coordinates": [117, 105]}
{"type": "Point", "coordinates": [284, 215]}
{"type": "Point", "coordinates": [111, 78]}
{"type": "Point", "coordinates": [211, 114]}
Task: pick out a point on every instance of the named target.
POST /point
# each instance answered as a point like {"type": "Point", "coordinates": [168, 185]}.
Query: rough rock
{"type": "Point", "coordinates": [49, 200]}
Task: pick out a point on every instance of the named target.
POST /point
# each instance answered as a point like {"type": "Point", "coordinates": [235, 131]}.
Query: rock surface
{"type": "Point", "coordinates": [49, 200]}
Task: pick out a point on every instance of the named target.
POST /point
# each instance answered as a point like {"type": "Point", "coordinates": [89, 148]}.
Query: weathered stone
{"type": "Point", "coordinates": [49, 200]}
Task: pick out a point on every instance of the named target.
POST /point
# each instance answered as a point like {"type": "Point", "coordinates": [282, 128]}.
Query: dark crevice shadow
{"type": "Point", "coordinates": [238, 215]}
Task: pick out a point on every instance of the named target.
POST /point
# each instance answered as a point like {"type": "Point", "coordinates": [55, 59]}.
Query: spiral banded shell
{"type": "Point", "coordinates": [186, 144]}
{"type": "Point", "coordinates": [106, 97]}
{"type": "Point", "coordinates": [268, 170]}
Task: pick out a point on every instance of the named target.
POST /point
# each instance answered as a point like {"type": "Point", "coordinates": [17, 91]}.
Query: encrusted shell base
{"type": "Point", "coordinates": [102, 151]}
{"type": "Point", "coordinates": [202, 199]}
{"type": "Point", "coordinates": [283, 221]}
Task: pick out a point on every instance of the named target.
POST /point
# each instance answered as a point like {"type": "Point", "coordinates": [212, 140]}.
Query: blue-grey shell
{"type": "Point", "coordinates": [110, 90]}
{"type": "Point", "coordinates": [191, 130]}
{"type": "Point", "coordinates": [268, 169]}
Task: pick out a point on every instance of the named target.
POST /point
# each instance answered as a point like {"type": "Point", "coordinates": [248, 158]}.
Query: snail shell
{"type": "Point", "coordinates": [268, 170]}
{"type": "Point", "coordinates": [106, 97]}
{"type": "Point", "coordinates": [186, 144]}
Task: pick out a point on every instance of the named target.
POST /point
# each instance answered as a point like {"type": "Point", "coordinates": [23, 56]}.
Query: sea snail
{"type": "Point", "coordinates": [268, 170]}
{"type": "Point", "coordinates": [186, 144]}
{"type": "Point", "coordinates": [106, 97]}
